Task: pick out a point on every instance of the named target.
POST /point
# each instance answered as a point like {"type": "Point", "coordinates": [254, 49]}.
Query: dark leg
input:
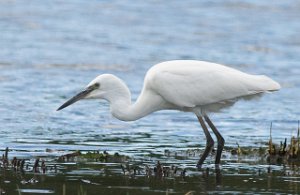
{"type": "Point", "coordinates": [218, 175]}
{"type": "Point", "coordinates": [221, 140]}
{"type": "Point", "coordinates": [209, 142]}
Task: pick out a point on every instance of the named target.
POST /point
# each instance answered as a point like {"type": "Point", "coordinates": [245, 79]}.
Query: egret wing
{"type": "Point", "coordinates": [201, 83]}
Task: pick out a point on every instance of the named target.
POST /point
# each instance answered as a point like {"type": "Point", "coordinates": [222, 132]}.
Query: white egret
{"type": "Point", "coordinates": [186, 85]}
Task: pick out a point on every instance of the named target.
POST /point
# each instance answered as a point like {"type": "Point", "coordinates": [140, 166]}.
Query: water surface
{"type": "Point", "coordinates": [50, 50]}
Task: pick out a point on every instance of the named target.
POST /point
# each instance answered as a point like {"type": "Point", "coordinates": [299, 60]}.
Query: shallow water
{"type": "Point", "coordinates": [50, 50]}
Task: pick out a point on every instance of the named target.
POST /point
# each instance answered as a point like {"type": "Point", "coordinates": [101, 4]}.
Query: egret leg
{"type": "Point", "coordinates": [220, 139]}
{"type": "Point", "coordinates": [209, 142]}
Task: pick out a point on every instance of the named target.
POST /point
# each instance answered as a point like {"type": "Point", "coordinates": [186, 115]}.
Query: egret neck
{"type": "Point", "coordinates": [122, 107]}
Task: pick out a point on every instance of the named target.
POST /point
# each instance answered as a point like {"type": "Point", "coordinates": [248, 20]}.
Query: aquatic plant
{"type": "Point", "coordinates": [284, 153]}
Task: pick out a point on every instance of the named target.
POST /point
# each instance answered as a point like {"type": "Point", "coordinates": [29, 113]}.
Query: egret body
{"type": "Point", "coordinates": [186, 85]}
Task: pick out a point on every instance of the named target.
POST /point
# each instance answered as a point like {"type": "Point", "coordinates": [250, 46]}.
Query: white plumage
{"type": "Point", "coordinates": [187, 85]}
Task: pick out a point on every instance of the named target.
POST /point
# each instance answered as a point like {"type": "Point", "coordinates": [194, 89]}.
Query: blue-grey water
{"type": "Point", "coordinates": [50, 50]}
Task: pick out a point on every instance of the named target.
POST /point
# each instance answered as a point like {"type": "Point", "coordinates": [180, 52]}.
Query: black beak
{"type": "Point", "coordinates": [77, 97]}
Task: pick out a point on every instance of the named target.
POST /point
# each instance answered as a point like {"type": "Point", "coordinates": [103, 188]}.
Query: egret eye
{"type": "Point", "coordinates": [94, 86]}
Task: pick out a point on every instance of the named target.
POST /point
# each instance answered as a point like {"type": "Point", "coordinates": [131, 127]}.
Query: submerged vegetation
{"type": "Point", "coordinates": [96, 156]}
{"type": "Point", "coordinates": [283, 153]}
{"type": "Point", "coordinates": [86, 166]}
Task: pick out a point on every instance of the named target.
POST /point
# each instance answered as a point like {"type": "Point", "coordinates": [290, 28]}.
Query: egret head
{"type": "Point", "coordinates": [102, 87]}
